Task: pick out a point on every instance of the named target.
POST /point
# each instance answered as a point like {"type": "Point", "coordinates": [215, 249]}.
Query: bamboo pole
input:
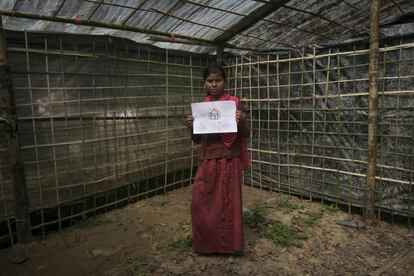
{"type": "Point", "coordinates": [166, 121]}
{"type": "Point", "coordinates": [8, 116]}
{"type": "Point", "coordinates": [372, 112]}
{"type": "Point", "coordinates": [92, 23]}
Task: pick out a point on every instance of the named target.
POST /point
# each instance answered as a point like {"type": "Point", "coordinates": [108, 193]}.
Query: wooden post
{"type": "Point", "coordinates": [8, 118]}
{"type": "Point", "coordinates": [372, 111]}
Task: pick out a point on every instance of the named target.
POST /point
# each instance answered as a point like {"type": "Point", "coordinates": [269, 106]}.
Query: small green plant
{"type": "Point", "coordinates": [313, 218]}
{"type": "Point", "coordinates": [279, 233]}
{"type": "Point", "coordinates": [255, 217]}
{"type": "Point", "coordinates": [181, 243]}
{"type": "Point", "coordinates": [162, 201]}
{"type": "Point", "coordinates": [131, 265]}
{"type": "Point", "coordinates": [333, 208]}
{"type": "Point", "coordinates": [286, 202]}
{"type": "Point", "coordinates": [182, 225]}
{"type": "Point", "coordinates": [308, 220]}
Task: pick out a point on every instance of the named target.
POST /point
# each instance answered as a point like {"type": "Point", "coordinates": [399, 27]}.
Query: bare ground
{"type": "Point", "coordinates": [151, 237]}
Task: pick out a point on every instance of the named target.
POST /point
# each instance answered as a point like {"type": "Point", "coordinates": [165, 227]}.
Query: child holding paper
{"type": "Point", "coordinates": [216, 203]}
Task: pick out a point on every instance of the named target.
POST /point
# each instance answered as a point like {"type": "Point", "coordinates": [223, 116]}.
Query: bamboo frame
{"type": "Point", "coordinates": [109, 139]}
{"type": "Point", "coordinates": [108, 143]}
{"type": "Point", "coordinates": [330, 172]}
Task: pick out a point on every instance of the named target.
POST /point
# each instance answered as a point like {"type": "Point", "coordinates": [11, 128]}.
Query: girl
{"type": "Point", "coordinates": [216, 203]}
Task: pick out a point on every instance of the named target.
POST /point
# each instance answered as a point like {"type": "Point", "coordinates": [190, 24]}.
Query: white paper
{"type": "Point", "coordinates": [214, 117]}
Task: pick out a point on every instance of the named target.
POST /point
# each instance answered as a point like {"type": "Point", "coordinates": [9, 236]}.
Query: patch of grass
{"type": "Point", "coordinates": [181, 243]}
{"type": "Point", "coordinates": [307, 220]}
{"type": "Point", "coordinates": [279, 233]}
{"type": "Point", "coordinates": [313, 218]}
{"type": "Point", "coordinates": [333, 208]}
{"type": "Point", "coordinates": [283, 234]}
{"type": "Point", "coordinates": [182, 225]}
{"type": "Point", "coordinates": [256, 216]}
{"type": "Point", "coordinates": [286, 202]}
{"type": "Point", "coordinates": [161, 201]}
{"type": "Point", "coordinates": [131, 265]}
{"type": "Point", "coordinates": [182, 240]}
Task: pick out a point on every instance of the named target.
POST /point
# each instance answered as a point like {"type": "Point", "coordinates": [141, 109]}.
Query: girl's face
{"type": "Point", "coordinates": [215, 85]}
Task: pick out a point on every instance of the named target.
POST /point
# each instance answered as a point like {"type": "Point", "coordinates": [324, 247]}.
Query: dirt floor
{"type": "Point", "coordinates": [283, 236]}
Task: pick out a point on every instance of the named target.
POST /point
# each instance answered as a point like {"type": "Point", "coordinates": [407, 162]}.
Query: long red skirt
{"type": "Point", "coordinates": [216, 207]}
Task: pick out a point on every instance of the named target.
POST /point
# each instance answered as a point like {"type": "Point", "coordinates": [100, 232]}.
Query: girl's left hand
{"type": "Point", "coordinates": [240, 116]}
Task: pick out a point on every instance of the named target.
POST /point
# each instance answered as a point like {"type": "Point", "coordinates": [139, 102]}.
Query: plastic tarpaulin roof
{"type": "Point", "coordinates": [247, 24]}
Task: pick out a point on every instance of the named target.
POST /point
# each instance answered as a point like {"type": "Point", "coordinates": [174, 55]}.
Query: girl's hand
{"type": "Point", "coordinates": [240, 116]}
{"type": "Point", "coordinates": [189, 121]}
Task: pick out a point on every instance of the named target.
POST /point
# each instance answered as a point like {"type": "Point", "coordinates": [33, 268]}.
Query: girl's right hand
{"type": "Point", "coordinates": [189, 121]}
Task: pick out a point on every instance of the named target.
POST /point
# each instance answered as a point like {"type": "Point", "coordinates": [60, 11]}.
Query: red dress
{"type": "Point", "coordinates": [216, 204]}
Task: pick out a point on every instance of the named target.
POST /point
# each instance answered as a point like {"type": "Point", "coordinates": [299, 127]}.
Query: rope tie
{"type": "Point", "coordinates": [172, 37]}
{"type": "Point", "coordinates": [78, 20]}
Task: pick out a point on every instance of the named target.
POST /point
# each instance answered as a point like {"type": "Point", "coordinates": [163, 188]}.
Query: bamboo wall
{"type": "Point", "coordinates": [309, 118]}
{"type": "Point", "coordinates": [101, 124]}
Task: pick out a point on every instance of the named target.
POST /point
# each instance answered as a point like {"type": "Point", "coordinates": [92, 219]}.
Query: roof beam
{"type": "Point", "coordinates": [98, 24]}
{"type": "Point", "coordinates": [250, 20]}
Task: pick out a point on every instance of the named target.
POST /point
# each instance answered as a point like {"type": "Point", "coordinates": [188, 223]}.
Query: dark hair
{"type": "Point", "coordinates": [214, 69]}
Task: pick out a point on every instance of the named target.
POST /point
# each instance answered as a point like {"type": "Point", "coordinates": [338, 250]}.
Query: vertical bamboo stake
{"type": "Point", "coordinates": [251, 118]}
{"type": "Point", "coordinates": [259, 134]}
{"type": "Point", "coordinates": [6, 213]}
{"type": "Point", "coordinates": [410, 193]}
{"type": "Point", "coordinates": [278, 122]}
{"type": "Point", "coordinates": [241, 97]}
{"type": "Point", "coordinates": [236, 80]}
{"type": "Point", "coordinates": [106, 78]}
{"type": "Point", "coordinates": [397, 118]}
{"type": "Point", "coordinates": [8, 116]}
{"type": "Point", "coordinates": [337, 119]}
{"type": "Point", "coordinates": [52, 128]}
{"type": "Point", "coordinates": [36, 148]}
{"type": "Point", "coordinates": [313, 117]}
{"type": "Point", "coordinates": [192, 100]}
{"type": "Point", "coordinates": [354, 89]}
{"type": "Point", "coordinates": [301, 134]}
{"type": "Point", "coordinates": [166, 121]}
{"type": "Point", "coordinates": [325, 110]}
{"type": "Point", "coordinates": [95, 161]}
{"type": "Point", "coordinates": [288, 121]}
{"type": "Point", "coordinates": [268, 124]}
{"type": "Point", "coordinates": [380, 155]}
{"type": "Point", "coordinates": [114, 110]}
{"type": "Point", "coordinates": [126, 124]}
{"type": "Point", "coordinates": [372, 115]}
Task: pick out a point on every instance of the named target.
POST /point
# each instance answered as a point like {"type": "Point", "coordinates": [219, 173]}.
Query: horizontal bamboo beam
{"type": "Point", "coordinates": [93, 23]}
{"type": "Point", "coordinates": [95, 55]}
